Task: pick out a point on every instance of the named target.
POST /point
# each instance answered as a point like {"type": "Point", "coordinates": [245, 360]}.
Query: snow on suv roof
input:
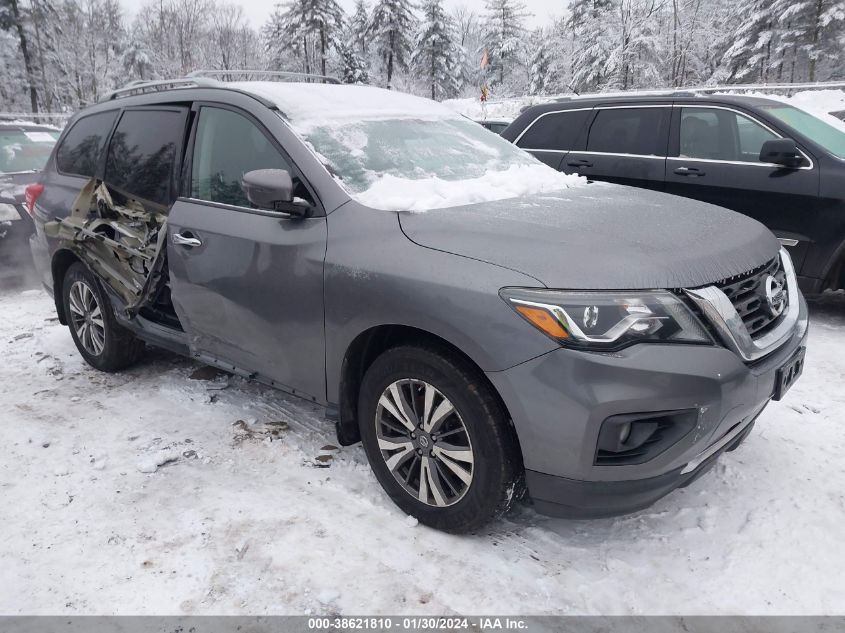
{"type": "Point", "coordinates": [314, 103]}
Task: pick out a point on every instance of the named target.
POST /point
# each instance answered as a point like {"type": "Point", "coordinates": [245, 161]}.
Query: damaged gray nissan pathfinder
{"type": "Point", "coordinates": [481, 322]}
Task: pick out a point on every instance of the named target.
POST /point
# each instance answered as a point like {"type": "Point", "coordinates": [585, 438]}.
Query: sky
{"type": "Point", "coordinates": [258, 11]}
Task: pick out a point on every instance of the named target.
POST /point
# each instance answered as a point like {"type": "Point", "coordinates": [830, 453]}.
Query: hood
{"type": "Point", "coordinates": [600, 237]}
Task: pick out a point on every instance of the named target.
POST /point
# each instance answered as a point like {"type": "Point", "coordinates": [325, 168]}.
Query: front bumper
{"type": "Point", "coordinates": [559, 401]}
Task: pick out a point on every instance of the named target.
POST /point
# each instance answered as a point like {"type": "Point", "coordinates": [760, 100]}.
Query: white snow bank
{"type": "Point", "coordinates": [819, 100]}
{"type": "Point", "coordinates": [29, 123]}
{"type": "Point", "coordinates": [403, 194]}
{"type": "Point", "coordinates": [819, 103]}
{"type": "Point", "coordinates": [758, 534]}
{"type": "Point", "coordinates": [322, 104]}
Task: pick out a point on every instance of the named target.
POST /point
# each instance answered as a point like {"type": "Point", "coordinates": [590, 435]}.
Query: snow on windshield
{"type": "Point", "coordinates": [395, 151]}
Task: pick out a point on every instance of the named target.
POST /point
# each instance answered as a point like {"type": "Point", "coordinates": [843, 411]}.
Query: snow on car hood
{"type": "Point", "coordinates": [601, 236]}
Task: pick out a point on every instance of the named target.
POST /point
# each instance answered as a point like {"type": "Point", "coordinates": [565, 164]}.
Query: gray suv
{"type": "Point", "coordinates": [482, 323]}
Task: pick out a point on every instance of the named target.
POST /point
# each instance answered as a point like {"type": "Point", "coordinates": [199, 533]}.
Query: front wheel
{"type": "Point", "coordinates": [438, 439]}
{"type": "Point", "coordinates": [100, 339]}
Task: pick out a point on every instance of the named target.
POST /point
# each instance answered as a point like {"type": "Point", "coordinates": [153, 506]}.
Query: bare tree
{"type": "Point", "coordinates": [227, 26]}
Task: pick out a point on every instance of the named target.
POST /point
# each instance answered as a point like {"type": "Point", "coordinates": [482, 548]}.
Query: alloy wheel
{"type": "Point", "coordinates": [424, 442]}
{"type": "Point", "coordinates": [87, 318]}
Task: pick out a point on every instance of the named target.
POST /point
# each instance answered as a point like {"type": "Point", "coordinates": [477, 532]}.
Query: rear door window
{"type": "Point", "coordinates": [557, 131]}
{"type": "Point", "coordinates": [80, 150]}
{"type": "Point", "coordinates": [628, 131]}
{"type": "Point", "coordinates": [144, 151]}
{"type": "Point", "coordinates": [227, 146]}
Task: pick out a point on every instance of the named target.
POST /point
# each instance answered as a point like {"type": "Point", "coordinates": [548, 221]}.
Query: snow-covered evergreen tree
{"type": "Point", "coordinates": [469, 47]}
{"type": "Point", "coordinates": [353, 68]}
{"type": "Point", "coordinates": [309, 26]}
{"type": "Point", "coordinates": [589, 26]}
{"type": "Point", "coordinates": [637, 58]}
{"type": "Point", "coordinates": [358, 24]}
{"type": "Point", "coordinates": [435, 55]}
{"type": "Point", "coordinates": [504, 38]}
{"type": "Point", "coordinates": [821, 26]}
{"type": "Point", "coordinates": [391, 31]}
{"type": "Point", "coordinates": [542, 70]}
{"type": "Point", "coordinates": [749, 56]}
{"type": "Point", "coordinates": [79, 49]}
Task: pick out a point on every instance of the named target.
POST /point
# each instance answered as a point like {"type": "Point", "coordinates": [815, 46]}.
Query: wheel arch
{"type": "Point", "coordinates": [62, 260]}
{"type": "Point", "coordinates": [371, 343]}
{"type": "Point", "coordinates": [834, 271]}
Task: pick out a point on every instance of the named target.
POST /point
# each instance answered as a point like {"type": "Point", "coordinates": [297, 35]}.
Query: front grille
{"type": "Point", "coordinates": [747, 293]}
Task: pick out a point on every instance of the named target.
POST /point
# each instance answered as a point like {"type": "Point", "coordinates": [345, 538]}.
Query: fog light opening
{"type": "Point", "coordinates": [624, 433]}
{"type": "Point", "coordinates": [637, 437]}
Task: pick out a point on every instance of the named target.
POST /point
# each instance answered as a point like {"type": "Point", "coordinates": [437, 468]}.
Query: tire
{"type": "Point", "coordinates": [475, 475]}
{"type": "Point", "coordinates": [102, 342]}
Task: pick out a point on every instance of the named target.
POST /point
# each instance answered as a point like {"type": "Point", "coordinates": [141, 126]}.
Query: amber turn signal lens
{"type": "Point", "coordinates": [543, 321]}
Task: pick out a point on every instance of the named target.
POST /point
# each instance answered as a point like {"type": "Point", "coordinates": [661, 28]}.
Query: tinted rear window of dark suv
{"type": "Point", "coordinates": [80, 149]}
{"type": "Point", "coordinates": [556, 131]}
{"type": "Point", "coordinates": [628, 131]}
{"type": "Point", "coordinates": [142, 153]}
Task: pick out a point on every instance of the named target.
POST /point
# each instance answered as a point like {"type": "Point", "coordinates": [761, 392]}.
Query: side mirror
{"type": "Point", "coordinates": [782, 151]}
{"type": "Point", "coordinates": [273, 189]}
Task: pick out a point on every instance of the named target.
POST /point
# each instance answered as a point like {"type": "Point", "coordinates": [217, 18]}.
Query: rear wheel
{"type": "Point", "coordinates": [438, 439]}
{"type": "Point", "coordinates": [102, 342]}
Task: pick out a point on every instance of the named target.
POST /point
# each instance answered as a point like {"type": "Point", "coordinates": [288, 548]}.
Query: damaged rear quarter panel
{"type": "Point", "coordinates": [122, 243]}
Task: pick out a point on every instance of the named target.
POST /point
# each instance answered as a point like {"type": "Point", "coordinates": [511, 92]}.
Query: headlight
{"type": "Point", "coordinates": [8, 212]}
{"type": "Point", "coordinates": [607, 320]}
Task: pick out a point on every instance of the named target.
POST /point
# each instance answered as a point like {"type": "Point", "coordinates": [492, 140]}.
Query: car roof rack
{"type": "Point", "coordinates": [241, 74]}
{"type": "Point", "coordinates": [697, 91]}
{"type": "Point", "coordinates": [630, 93]}
{"type": "Point", "coordinates": [143, 87]}
{"type": "Point", "coordinates": [210, 79]}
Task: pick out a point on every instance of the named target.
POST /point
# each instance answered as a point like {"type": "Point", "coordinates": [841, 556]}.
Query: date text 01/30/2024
{"type": "Point", "coordinates": [422, 623]}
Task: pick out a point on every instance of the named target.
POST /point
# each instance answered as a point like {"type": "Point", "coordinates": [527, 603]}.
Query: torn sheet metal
{"type": "Point", "coordinates": [123, 243]}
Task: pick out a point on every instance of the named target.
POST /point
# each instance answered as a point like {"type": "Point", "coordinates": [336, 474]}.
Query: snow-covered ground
{"type": "Point", "coordinates": [151, 491]}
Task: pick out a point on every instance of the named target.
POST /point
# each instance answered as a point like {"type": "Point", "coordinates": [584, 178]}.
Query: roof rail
{"type": "Point", "coordinates": [143, 87]}
{"type": "Point", "coordinates": [775, 87]}
{"type": "Point", "coordinates": [249, 75]}
{"type": "Point", "coordinates": [704, 90]}
{"type": "Point", "coordinates": [668, 92]}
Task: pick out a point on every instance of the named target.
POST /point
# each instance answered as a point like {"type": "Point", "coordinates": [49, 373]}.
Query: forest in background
{"type": "Point", "coordinates": [57, 55]}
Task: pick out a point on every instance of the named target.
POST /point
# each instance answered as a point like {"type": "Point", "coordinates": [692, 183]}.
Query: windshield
{"type": "Point", "coordinates": [25, 150]}
{"type": "Point", "coordinates": [830, 136]}
{"type": "Point", "coordinates": [417, 164]}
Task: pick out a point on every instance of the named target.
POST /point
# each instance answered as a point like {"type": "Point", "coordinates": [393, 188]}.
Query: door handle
{"type": "Point", "coordinates": [580, 163]}
{"type": "Point", "coordinates": [689, 171]}
{"type": "Point", "coordinates": [186, 240]}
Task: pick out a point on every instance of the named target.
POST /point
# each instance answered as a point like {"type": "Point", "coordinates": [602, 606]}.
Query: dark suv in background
{"type": "Point", "coordinates": [761, 157]}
